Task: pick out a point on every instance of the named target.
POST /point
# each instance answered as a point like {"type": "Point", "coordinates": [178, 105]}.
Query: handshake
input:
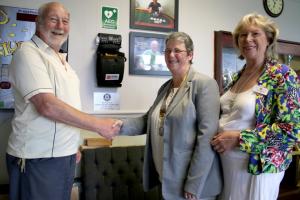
{"type": "Point", "coordinates": [109, 128]}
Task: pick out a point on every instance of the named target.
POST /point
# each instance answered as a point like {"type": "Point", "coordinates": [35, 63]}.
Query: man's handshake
{"type": "Point", "coordinates": [110, 128]}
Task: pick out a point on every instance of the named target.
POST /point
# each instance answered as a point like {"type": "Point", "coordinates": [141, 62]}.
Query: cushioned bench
{"type": "Point", "coordinates": [114, 173]}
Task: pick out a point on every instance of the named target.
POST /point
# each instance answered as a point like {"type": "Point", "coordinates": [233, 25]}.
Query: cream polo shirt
{"type": "Point", "coordinates": [36, 68]}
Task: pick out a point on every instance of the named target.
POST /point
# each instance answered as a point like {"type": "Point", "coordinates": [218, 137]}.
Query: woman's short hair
{"type": "Point", "coordinates": [183, 37]}
{"type": "Point", "coordinates": [267, 25]}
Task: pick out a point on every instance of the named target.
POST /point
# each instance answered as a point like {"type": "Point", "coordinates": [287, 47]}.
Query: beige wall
{"type": "Point", "coordinates": [199, 18]}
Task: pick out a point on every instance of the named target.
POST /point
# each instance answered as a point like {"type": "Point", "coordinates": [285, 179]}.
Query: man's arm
{"type": "Point", "coordinates": [51, 107]}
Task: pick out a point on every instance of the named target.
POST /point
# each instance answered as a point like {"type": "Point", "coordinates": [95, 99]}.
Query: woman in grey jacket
{"type": "Point", "coordinates": [179, 126]}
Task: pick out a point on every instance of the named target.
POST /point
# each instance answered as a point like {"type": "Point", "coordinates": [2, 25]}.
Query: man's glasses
{"type": "Point", "coordinates": [175, 51]}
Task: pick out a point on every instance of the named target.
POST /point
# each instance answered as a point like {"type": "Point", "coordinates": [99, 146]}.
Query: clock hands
{"type": "Point", "coordinates": [276, 6]}
{"type": "Point", "coordinates": [275, 3]}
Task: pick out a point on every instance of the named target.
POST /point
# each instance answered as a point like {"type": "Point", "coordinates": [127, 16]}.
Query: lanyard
{"type": "Point", "coordinates": [165, 104]}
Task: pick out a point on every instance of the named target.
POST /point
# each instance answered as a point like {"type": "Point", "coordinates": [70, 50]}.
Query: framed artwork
{"type": "Point", "coordinates": [227, 61]}
{"type": "Point", "coordinates": [146, 54]}
{"type": "Point", "coordinates": [16, 25]}
{"type": "Point", "coordinates": [155, 15]}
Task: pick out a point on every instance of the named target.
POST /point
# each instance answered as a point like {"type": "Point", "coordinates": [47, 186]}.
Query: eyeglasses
{"type": "Point", "coordinates": [175, 51]}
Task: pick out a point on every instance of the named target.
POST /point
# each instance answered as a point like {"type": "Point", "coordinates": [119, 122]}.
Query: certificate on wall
{"type": "Point", "coordinates": [106, 101]}
{"type": "Point", "coordinates": [16, 25]}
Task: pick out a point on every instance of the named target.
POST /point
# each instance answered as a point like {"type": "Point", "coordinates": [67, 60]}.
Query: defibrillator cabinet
{"type": "Point", "coordinates": [110, 61]}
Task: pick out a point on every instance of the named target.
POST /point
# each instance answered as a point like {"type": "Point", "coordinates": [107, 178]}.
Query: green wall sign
{"type": "Point", "coordinates": [109, 17]}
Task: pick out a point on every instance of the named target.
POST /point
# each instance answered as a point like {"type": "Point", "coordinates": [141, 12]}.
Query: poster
{"type": "Point", "coordinates": [16, 25]}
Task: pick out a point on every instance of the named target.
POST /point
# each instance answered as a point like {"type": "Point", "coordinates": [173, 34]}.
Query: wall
{"type": "Point", "coordinates": [198, 18]}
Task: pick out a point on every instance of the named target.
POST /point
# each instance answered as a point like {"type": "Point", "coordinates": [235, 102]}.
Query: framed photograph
{"type": "Point", "coordinates": [146, 54]}
{"type": "Point", "coordinates": [155, 15]}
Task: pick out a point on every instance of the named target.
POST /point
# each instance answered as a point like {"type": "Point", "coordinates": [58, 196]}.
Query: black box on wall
{"type": "Point", "coordinates": [110, 62]}
{"type": "Point", "coordinates": [110, 69]}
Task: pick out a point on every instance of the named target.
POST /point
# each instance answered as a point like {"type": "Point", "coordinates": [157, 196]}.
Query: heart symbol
{"type": "Point", "coordinates": [108, 14]}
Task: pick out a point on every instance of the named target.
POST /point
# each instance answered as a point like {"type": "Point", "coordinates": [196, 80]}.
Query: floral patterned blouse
{"type": "Point", "coordinates": [277, 113]}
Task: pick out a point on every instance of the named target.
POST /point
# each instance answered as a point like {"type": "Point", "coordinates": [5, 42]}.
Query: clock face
{"type": "Point", "coordinates": [273, 7]}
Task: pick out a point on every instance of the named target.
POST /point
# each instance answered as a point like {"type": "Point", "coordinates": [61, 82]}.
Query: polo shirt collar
{"type": "Point", "coordinates": [40, 43]}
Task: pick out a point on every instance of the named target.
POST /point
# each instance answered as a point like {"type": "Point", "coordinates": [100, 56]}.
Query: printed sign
{"type": "Point", "coordinates": [112, 77]}
{"type": "Point", "coordinates": [109, 17]}
{"type": "Point", "coordinates": [106, 101]}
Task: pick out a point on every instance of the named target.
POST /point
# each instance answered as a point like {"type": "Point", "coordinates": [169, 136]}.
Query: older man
{"type": "Point", "coordinates": [154, 55]}
{"type": "Point", "coordinates": [42, 147]}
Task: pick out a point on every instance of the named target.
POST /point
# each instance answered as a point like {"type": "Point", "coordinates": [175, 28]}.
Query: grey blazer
{"type": "Point", "coordinates": [189, 162]}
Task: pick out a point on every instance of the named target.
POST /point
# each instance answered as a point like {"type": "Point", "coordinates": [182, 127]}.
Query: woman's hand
{"type": "Point", "coordinates": [225, 141]}
{"type": "Point", "coordinates": [189, 196]}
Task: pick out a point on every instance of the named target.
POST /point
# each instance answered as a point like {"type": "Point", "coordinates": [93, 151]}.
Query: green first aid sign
{"type": "Point", "coordinates": [109, 17]}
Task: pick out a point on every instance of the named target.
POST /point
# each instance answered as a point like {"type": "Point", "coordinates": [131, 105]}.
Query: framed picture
{"type": "Point", "coordinates": [155, 15]}
{"type": "Point", "coordinates": [16, 25]}
{"type": "Point", "coordinates": [146, 54]}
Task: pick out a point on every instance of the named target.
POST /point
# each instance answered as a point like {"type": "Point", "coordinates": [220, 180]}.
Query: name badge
{"type": "Point", "coordinates": [260, 90]}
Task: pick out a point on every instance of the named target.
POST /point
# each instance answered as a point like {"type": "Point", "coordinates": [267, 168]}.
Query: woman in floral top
{"type": "Point", "coordinates": [259, 124]}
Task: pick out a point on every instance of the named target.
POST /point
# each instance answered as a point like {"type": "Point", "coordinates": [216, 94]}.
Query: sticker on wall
{"type": "Point", "coordinates": [110, 17]}
{"type": "Point", "coordinates": [106, 101]}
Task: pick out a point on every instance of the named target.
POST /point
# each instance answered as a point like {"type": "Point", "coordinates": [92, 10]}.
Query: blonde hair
{"type": "Point", "coordinates": [267, 25]}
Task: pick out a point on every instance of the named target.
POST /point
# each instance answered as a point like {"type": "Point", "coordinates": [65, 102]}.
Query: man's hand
{"type": "Point", "coordinates": [78, 157]}
{"type": "Point", "coordinates": [225, 141]}
{"type": "Point", "coordinates": [109, 128]}
{"type": "Point", "coordinates": [118, 123]}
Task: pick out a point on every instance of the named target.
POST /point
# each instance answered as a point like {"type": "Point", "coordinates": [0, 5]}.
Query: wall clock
{"type": "Point", "coordinates": [274, 8]}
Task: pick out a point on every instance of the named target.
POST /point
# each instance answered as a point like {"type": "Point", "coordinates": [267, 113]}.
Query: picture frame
{"type": "Point", "coordinates": [161, 17]}
{"type": "Point", "coordinates": [17, 25]}
{"type": "Point", "coordinates": [146, 54]}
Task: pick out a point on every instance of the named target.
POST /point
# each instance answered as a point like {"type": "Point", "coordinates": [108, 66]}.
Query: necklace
{"type": "Point", "coordinates": [171, 94]}
{"type": "Point", "coordinates": [243, 85]}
